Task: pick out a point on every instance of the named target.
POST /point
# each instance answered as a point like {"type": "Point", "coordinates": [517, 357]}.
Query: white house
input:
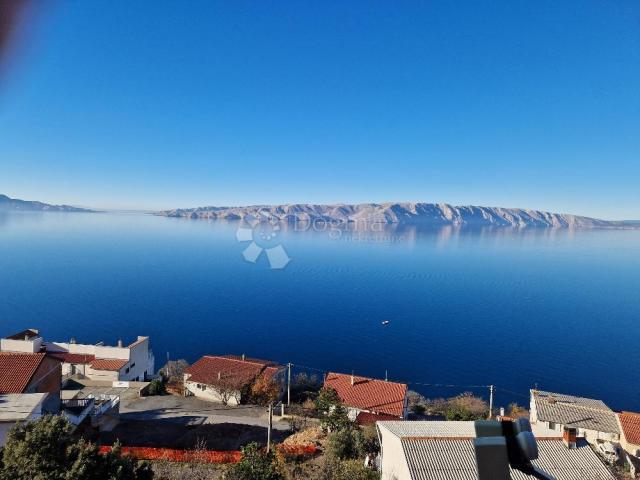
{"type": "Point", "coordinates": [19, 408]}
{"type": "Point", "coordinates": [226, 379]}
{"type": "Point", "coordinates": [134, 362]}
{"type": "Point", "coordinates": [438, 450]}
{"type": "Point", "coordinates": [363, 395]}
{"type": "Point", "coordinates": [630, 439]}
{"type": "Point", "coordinates": [593, 420]}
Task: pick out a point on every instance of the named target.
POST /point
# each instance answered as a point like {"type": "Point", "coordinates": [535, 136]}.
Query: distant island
{"type": "Point", "coordinates": [7, 203]}
{"type": "Point", "coordinates": [408, 213]}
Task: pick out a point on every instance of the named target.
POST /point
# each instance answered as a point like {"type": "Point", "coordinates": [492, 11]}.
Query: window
{"type": "Point", "coordinates": [552, 425]}
{"type": "Point", "coordinates": [127, 370]}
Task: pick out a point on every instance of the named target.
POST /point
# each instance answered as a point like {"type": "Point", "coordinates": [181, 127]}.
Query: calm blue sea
{"type": "Point", "coordinates": [513, 308]}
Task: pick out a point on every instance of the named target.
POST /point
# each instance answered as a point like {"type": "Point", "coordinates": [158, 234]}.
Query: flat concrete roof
{"type": "Point", "coordinates": [19, 406]}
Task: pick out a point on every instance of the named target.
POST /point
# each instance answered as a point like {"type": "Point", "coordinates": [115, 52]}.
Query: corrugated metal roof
{"type": "Point", "coordinates": [443, 429]}
{"type": "Point", "coordinates": [450, 458]}
{"type": "Point", "coordinates": [574, 411]}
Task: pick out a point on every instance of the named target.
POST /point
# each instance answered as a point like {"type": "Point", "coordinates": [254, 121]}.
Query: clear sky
{"type": "Point", "coordinates": [161, 104]}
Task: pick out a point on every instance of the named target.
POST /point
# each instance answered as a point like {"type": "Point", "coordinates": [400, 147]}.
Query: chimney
{"type": "Point", "coordinates": [243, 357]}
{"type": "Point", "coordinates": [72, 341]}
{"type": "Point", "coordinates": [569, 437]}
{"type": "Point", "coordinates": [353, 380]}
{"type": "Point", "coordinates": [119, 343]}
{"type": "Point", "coordinates": [26, 337]}
{"type": "Point", "coordinates": [502, 411]}
{"type": "Point", "coordinates": [219, 375]}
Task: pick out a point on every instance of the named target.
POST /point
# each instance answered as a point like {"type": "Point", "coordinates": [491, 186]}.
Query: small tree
{"type": "Point", "coordinates": [44, 450]}
{"type": "Point", "coordinates": [327, 399]}
{"type": "Point", "coordinates": [156, 387]}
{"type": "Point", "coordinates": [173, 370]}
{"type": "Point", "coordinates": [255, 464]}
{"type": "Point", "coordinates": [466, 407]}
{"type": "Point", "coordinates": [346, 444]}
{"type": "Point", "coordinates": [516, 411]}
{"type": "Point", "coordinates": [336, 419]}
{"type": "Point", "coordinates": [264, 390]}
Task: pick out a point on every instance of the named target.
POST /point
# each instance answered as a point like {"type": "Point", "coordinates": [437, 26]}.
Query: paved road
{"type": "Point", "coordinates": [193, 411]}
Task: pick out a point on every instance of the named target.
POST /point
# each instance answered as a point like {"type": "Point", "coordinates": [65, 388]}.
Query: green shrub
{"type": "Point", "coordinates": [156, 387]}
{"type": "Point", "coordinates": [255, 464]}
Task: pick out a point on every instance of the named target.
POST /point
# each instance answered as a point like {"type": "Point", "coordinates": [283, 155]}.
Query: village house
{"type": "Point", "coordinates": [134, 362]}
{"type": "Point", "coordinates": [593, 420]}
{"type": "Point", "coordinates": [630, 439]}
{"type": "Point", "coordinates": [31, 373]}
{"type": "Point", "coordinates": [365, 397]}
{"type": "Point", "coordinates": [438, 450]}
{"type": "Point", "coordinates": [19, 408]}
{"type": "Point", "coordinates": [228, 379]}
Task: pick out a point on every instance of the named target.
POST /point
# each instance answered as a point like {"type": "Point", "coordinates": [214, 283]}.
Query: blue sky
{"type": "Point", "coordinates": [157, 104]}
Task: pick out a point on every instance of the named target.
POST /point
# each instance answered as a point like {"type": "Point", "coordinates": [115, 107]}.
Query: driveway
{"type": "Point", "coordinates": [192, 411]}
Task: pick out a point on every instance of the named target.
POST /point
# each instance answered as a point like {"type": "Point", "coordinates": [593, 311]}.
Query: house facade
{"type": "Point", "coordinates": [134, 362]}
{"type": "Point", "coordinates": [27, 373]}
{"type": "Point", "coordinates": [592, 419]}
{"type": "Point", "coordinates": [362, 395]}
{"type": "Point", "coordinates": [228, 379]}
{"type": "Point", "coordinates": [630, 440]}
{"type": "Point", "coordinates": [438, 450]}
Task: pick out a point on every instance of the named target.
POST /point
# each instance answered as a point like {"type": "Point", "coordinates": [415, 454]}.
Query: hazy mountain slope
{"type": "Point", "coordinates": [400, 213]}
{"type": "Point", "coordinates": [7, 203]}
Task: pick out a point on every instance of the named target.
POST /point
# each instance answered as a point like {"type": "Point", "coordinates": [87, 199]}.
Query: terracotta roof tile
{"type": "Point", "coordinates": [76, 358]}
{"type": "Point", "coordinates": [108, 364]}
{"type": "Point", "coordinates": [630, 423]}
{"type": "Point", "coordinates": [17, 369]}
{"type": "Point", "coordinates": [365, 418]}
{"type": "Point", "coordinates": [369, 394]}
{"type": "Point", "coordinates": [212, 370]}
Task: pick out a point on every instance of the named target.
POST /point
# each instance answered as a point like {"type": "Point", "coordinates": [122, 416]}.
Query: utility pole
{"type": "Point", "coordinates": [289, 385]}
{"type": "Point", "coordinates": [491, 389]}
{"type": "Point", "coordinates": [270, 426]}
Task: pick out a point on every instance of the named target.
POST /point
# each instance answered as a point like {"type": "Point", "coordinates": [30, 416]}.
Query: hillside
{"type": "Point", "coordinates": [7, 203]}
{"type": "Point", "coordinates": [398, 213]}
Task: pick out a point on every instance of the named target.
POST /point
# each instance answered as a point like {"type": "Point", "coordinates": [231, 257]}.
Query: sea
{"type": "Point", "coordinates": [446, 310]}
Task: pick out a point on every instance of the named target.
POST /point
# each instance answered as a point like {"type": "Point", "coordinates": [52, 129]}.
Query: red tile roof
{"type": "Point", "coordinates": [76, 358]}
{"type": "Point", "coordinates": [369, 394]}
{"type": "Point", "coordinates": [211, 370]}
{"type": "Point", "coordinates": [366, 418]}
{"type": "Point", "coordinates": [630, 423]}
{"type": "Point", "coordinates": [17, 370]}
{"type": "Point", "coordinates": [113, 365]}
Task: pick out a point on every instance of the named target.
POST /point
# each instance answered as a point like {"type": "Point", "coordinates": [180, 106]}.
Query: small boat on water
{"type": "Point", "coordinates": [386, 322]}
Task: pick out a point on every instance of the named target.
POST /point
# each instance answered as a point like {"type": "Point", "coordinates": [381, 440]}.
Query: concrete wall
{"type": "Point", "coordinates": [106, 375]}
{"type": "Point", "coordinates": [23, 346]}
{"type": "Point", "coordinates": [141, 364]}
{"type": "Point", "coordinates": [630, 448]}
{"type": "Point", "coordinates": [208, 392]}
{"type": "Point", "coordinates": [393, 463]}
{"type": "Point", "coordinates": [141, 361]}
{"type": "Point", "coordinates": [47, 379]}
